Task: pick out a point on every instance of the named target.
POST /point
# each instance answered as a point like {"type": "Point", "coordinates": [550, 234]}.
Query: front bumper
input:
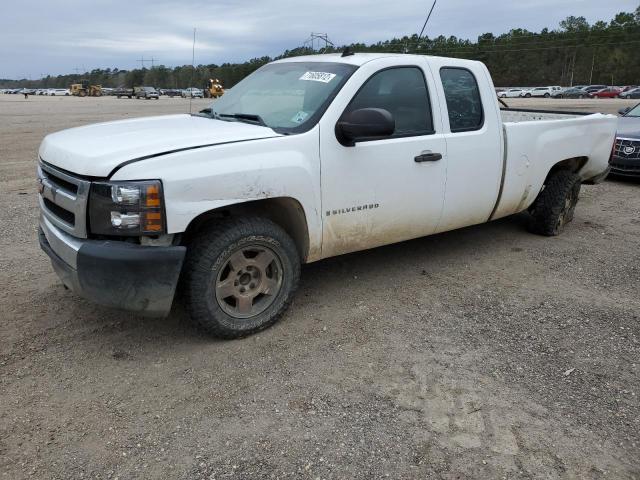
{"type": "Point", "coordinates": [115, 274]}
{"type": "Point", "coordinates": [625, 166]}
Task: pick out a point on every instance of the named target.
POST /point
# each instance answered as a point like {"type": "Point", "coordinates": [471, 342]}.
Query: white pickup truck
{"type": "Point", "coordinates": [306, 158]}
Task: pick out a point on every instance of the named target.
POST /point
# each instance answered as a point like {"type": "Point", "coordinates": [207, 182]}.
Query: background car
{"type": "Point", "coordinates": [171, 92]}
{"type": "Point", "coordinates": [608, 92]}
{"type": "Point", "coordinates": [594, 88]}
{"type": "Point", "coordinates": [59, 91]}
{"type": "Point", "coordinates": [122, 92]}
{"type": "Point", "coordinates": [146, 93]}
{"type": "Point", "coordinates": [192, 92]}
{"type": "Point", "coordinates": [543, 91]}
{"type": "Point", "coordinates": [510, 93]}
{"type": "Point", "coordinates": [625, 159]}
{"type": "Point", "coordinates": [635, 93]}
{"type": "Point", "coordinates": [571, 92]}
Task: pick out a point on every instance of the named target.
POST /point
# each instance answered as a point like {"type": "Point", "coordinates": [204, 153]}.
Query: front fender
{"type": "Point", "coordinates": [201, 180]}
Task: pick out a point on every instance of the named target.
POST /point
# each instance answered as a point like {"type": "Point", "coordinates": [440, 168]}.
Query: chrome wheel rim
{"type": "Point", "coordinates": [249, 281]}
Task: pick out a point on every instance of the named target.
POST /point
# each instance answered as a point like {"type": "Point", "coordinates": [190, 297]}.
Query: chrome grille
{"type": "Point", "coordinates": [627, 148]}
{"type": "Point", "coordinates": [63, 199]}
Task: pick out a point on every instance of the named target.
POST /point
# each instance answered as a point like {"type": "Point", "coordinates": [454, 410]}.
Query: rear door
{"type": "Point", "coordinates": [473, 132]}
{"type": "Point", "coordinates": [381, 191]}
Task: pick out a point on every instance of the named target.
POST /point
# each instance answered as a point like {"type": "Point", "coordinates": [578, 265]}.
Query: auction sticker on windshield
{"type": "Point", "coordinates": [323, 77]}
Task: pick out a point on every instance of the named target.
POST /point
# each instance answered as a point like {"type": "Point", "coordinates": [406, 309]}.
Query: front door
{"type": "Point", "coordinates": [387, 190]}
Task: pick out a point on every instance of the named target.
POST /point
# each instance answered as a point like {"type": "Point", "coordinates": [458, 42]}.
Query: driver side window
{"type": "Point", "coordinates": [403, 92]}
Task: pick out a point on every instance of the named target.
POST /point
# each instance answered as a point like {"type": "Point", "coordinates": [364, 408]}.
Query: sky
{"type": "Point", "coordinates": [51, 37]}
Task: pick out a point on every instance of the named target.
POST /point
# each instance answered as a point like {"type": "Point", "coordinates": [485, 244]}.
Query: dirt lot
{"type": "Point", "coordinates": [482, 353]}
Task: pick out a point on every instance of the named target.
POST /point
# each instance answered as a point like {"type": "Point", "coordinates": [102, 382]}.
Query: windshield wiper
{"type": "Point", "coordinates": [242, 117]}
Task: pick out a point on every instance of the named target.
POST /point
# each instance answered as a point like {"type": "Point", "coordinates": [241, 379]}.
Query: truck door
{"type": "Point", "coordinates": [389, 189]}
{"type": "Point", "coordinates": [474, 143]}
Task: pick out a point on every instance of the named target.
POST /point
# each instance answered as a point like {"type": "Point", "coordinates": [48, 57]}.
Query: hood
{"type": "Point", "coordinates": [628, 127]}
{"type": "Point", "coordinates": [96, 150]}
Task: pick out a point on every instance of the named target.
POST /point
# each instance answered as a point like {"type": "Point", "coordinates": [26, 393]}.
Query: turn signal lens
{"type": "Point", "coordinates": [152, 222]}
{"type": "Point", "coordinates": [152, 196]}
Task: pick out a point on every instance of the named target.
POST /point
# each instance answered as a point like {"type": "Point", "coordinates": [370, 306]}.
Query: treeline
{"type": "Point", "coordinates": [575, 53]}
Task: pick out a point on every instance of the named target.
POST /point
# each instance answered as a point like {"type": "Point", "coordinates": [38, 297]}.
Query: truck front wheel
{"type": "Point", "coordinates": [556, 203]}
{"type": "Point", "coordinates": [240, 276]}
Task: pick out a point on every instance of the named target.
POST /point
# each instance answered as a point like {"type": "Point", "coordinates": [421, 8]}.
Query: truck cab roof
{"type": "Point", "coordinates": [359, 59]}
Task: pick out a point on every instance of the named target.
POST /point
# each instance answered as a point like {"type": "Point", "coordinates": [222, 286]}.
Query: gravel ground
{"type": "Point", "coordinates": [486, 352]}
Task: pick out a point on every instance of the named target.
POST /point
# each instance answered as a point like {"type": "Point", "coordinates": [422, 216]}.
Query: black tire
{"type": "Point", "coordinates": [554, 208]}
{"type": "Point", "coordinates": [209, 259]}
{"type": "Point", "coordinates": [546, 95]}
{"type": "Point", "coordinates": [528, 95]}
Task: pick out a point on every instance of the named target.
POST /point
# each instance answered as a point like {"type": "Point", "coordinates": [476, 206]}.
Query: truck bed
{"type": "Point", "coordinates": [516, 115]}
{"type": "Point", "coordinates": [536, 140]}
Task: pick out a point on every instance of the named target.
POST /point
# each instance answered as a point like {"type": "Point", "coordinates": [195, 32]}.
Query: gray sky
{"type": "Point", "coordinates": [58, 36]}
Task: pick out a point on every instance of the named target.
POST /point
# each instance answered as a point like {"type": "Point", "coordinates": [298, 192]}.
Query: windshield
{"type": "Point", "coordinates": [287, 97]}
{"type": "Point", "coordinates": [634, 112]}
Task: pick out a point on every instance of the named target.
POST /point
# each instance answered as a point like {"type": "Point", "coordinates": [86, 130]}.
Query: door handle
{"type": "Point", "coordinates": [428, 157]}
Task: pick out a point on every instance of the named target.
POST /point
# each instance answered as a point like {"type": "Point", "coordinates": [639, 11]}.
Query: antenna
{"type": "Point", "coordinates": [193, 61]}
{"type": "Point", "coordinates": [425, 22]}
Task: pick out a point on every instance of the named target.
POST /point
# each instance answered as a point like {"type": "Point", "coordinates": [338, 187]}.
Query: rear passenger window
{"type": "Point", "coordinates": [463, 99]}
{"type": "Point", "coordinates": [403, 92]}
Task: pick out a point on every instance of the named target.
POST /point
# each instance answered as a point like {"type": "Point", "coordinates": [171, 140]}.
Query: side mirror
{"type": "Point", "coordinates": [364, 124]}
{"type": "Point", "coordinates": [622, 111]}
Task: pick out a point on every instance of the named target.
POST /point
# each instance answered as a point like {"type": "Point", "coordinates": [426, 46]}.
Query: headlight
{"type": "Point", "coordinates": [126, 208]}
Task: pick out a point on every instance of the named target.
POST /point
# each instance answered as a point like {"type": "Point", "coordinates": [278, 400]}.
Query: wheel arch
{"type": "Point", "coordinates": [286, 212]}
{"type": "Point", "coordinates": [573, 164]}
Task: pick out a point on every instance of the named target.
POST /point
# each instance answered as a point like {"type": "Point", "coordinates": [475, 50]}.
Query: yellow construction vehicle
{"type": "Point", "coordinates": [213, 89]}
{"type": "Point", "coordinates": [83, 89]}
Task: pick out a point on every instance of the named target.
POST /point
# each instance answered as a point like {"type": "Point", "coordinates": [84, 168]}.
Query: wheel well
{"type": "Point", "coordinates": [572, 164]}
{"type": "Point", "coordinates": [285, 212]}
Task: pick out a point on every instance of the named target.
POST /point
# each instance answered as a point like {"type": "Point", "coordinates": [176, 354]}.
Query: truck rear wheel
{"type": "Point", "coordinates": [240, 276]}
{"type": "Point", "coordinates": [556, 203]}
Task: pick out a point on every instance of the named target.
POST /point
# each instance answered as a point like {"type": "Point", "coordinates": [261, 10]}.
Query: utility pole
{"type": "Point", "coordinates": [318, 38]}
{"type": "Point", "coordinates": [145, 60]}
{"type": "Point", "coordinates": [593, 61]}
{"type": "Point", "coordinates": [573, 66]}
